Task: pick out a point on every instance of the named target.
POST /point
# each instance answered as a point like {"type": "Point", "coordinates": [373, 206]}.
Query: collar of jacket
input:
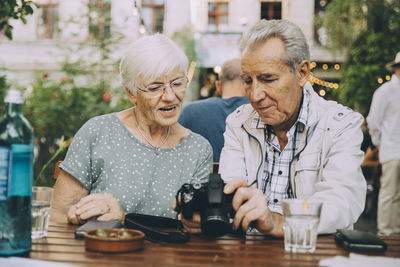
{"type": "Point", "coordinates": [313, 115]}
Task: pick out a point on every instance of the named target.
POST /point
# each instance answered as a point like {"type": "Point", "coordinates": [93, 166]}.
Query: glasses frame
{"type": "Point", "coordinates": [161, 91]}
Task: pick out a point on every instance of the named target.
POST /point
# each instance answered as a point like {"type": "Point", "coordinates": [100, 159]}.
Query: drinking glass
{"type": "Point", "coordinates": [41, 204]}
{"type": "Point", "coordinates": [300, 224]}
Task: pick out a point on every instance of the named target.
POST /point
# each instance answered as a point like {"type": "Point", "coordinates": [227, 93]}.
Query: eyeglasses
{"type": "Point", "coordinates": [156, 89]}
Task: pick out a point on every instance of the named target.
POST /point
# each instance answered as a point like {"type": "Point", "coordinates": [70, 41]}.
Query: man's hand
{"type": "Point", "coordinates": [103, 206]}
{"type": "Point", "coordinates": [251, 206]}
{"type": "Point", "coordinates": [192, 226]}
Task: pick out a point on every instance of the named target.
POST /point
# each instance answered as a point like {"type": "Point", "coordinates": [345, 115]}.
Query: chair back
{"type": "Point", "coordinates": [215, 167]}
{"type": "Point", "coordinates": [57, 170]}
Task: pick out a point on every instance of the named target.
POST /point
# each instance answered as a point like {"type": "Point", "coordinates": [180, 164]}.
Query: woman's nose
{"type": "Point", "coordinates": [168, 93]}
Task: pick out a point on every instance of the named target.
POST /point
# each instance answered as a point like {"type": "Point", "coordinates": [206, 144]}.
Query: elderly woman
{"type": "Point", "coordinates": [137, 159]}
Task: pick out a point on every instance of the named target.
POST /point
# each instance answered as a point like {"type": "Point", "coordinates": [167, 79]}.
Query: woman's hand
{"type": "Point", "coordinates": [251, 206]}
{"type": "Point", "coordinates": [103, 206]}
{"type": "Point", "coordinates": [192, 226]}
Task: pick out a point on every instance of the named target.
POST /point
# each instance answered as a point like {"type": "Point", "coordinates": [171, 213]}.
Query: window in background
{"type": "Point", "coordinates": [218, 16]}
{"type": "Point", "coordinates": [271, 10]}
{"type": "Point", "coordinates": [153, 15]}
{"type": "Point", "coordinates": [47, 27]}
{"type": "Point", "coordinates": [99, 19]}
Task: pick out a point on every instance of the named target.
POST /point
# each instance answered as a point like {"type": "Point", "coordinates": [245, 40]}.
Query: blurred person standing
{"type": "Point", "coordinates": [207, 117]}
{"type": "Point", "coordinates": [384, 126]}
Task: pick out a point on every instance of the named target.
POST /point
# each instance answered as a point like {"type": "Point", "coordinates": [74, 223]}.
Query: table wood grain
{"type": "Point", "coordinates": [60, 245]}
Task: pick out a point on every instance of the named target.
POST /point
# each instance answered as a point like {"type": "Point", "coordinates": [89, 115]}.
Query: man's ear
{"type": "Point", "coordinates": [132, 98]}
{"type": "Point", "coordinates": [218, 87]}
{"type": "Point", "coordinates": [303, 72]}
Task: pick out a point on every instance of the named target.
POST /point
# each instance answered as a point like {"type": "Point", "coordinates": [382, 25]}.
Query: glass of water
{"type": "Point", "coordinates": [41, 204]}
{"type": "Point", "coordinates": [300, 224]}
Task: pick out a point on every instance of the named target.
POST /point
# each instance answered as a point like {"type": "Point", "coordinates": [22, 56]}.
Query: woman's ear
{"type": "Point", "coordinates": [132, 98]}
{"type": "Point", "coordinates": [303, 72]}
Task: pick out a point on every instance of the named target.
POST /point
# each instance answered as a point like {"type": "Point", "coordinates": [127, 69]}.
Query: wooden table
{"type": "Point", "coordinates": [61, 246]}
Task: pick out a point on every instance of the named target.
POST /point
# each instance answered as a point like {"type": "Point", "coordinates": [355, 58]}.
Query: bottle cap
{"type": "Point", "coordinates": [14, 96]}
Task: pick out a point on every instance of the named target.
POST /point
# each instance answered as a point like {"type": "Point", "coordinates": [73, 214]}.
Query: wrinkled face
{"type": "Point", "coordinates": [162, 110]}
{"type": "Point", "coordinates": [274, 91]}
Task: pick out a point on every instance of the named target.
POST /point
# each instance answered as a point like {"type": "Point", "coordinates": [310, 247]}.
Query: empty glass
{"type": "Point", "coordinates": [300, 224]}
{"type": "Point", "coordinates": [41, 204]}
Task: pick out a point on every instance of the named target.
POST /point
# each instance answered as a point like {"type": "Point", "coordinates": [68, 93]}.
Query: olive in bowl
{"type": "Point", "coordinates": [114, 240]}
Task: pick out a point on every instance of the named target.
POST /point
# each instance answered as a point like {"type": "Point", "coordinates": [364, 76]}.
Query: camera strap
{"type": "Point", "coordinates": [145, 223]}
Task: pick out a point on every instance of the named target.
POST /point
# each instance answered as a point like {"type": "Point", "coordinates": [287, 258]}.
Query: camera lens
{"type": "Point", "coordinates": [213, 224]}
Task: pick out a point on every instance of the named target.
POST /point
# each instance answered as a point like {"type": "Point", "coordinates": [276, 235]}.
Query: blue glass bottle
{"type": "Point", "coordinates": [16, 171]}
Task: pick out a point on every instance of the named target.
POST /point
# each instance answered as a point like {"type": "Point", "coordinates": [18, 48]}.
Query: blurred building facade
{"type": "Point", "coordinates": [217, 26]}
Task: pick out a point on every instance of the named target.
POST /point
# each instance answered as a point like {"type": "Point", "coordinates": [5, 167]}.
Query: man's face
{"type": "Point", "coordinates": [274, 91]}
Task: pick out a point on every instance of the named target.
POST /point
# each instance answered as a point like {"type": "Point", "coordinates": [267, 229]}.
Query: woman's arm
{"type": "Point", "coordinates": [67, 192]}
{"type": "Point", "coordinates": [72, 204]}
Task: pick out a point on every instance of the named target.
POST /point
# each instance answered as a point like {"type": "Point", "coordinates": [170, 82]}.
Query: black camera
{"type": "Point", "coordinates": [214, 206]}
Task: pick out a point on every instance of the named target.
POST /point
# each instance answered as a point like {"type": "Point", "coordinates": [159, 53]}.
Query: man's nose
{"type": "Point", "coordinates": [257, 92]}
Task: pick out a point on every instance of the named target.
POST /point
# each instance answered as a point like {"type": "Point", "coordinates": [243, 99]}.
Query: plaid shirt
{"type": "Point", "coordinates": [275, 184]}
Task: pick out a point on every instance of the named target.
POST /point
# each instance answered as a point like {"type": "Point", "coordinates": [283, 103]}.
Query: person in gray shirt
{"type": "Point", "coordinates": [137, 159]}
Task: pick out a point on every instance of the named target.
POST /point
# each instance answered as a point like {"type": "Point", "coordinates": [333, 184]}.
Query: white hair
{"type": "Point", "coordinates": [297, 48]}
{"type": "Point", "coordinates": [148, 58]}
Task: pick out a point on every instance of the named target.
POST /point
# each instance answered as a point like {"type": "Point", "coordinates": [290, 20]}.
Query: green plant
{"type": "Point", "coordinates": [370, 32]}
{"type": "Point", "coordinates": [14, 9]}
{"type": "Point", "coordinates": [3, 88]}
{"type": "Point", "coordinates": [60, 104]}
{"type": "Point", "coordinates": [60, 107]}
{"type": "Point", "coordinates": [63, 145]}
{"type": "Point", "coordinates": [185, 38]}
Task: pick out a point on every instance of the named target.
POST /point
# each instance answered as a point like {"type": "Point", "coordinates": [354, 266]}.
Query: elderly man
{"type": "Point", "coordinates": [384, 126]}
{"type": "Point", "coordinates": [289, 141]}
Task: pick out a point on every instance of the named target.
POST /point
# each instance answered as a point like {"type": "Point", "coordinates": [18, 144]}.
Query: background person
{"type": "Point", "coordinates": [207, 117]}
{"type": "Point", "coordinates": [137, 159]}
{"type": "Point", "coordinates": [372, 170]}
{"type": "Point", "coordinates": [384, 126]}
{"type": "Point", "coordinates": [289, 140]}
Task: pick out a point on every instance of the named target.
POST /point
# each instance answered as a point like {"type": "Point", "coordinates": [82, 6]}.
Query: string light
{"type": "Point", "coordinates": [380, 80]}
{"type": "Point", "coordinates": [217, 69]}
{"type": "Point", "coordinates": [387, 77]}
{"type": "Point", "coordinates": [325, 66]}
{"type": "Point", "coordinates": [315, 80]}
{"type": "Point", "coordinates": [337, 67]}
{"type": "Point", "coordinates": [313, 65]}
{"type": "Point", "coordinates": [322, 92]}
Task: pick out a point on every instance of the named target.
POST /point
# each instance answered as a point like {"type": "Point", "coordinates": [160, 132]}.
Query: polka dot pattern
{"type": "Point", "coordinates": [106, 158]}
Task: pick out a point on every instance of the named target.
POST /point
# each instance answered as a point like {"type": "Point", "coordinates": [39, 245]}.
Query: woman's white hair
{"type": "Point", "coordinates": [297, 48]}
{"type": "Point", "coordinates": [150, 57]}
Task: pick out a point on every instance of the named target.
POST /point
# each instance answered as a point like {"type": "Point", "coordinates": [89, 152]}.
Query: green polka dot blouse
{"type": "Point", "coordinates": [106, 158]}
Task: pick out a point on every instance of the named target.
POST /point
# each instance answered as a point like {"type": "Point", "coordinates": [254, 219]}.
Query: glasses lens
{"type": "Point", "coordinates": [155, 90]}
{"type": "Point", "coordinates": [179, 85]}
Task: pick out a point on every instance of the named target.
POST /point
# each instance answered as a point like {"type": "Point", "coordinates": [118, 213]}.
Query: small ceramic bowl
{"type": "Point", "coordinates": [114, 244]}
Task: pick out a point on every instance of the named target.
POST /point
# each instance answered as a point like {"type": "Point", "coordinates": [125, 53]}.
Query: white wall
{"type": "Point", "coordinates": [177, 15]}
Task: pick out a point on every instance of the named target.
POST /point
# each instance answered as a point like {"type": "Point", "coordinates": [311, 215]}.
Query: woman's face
{"type": "Point", "coordinates": [162, 110]}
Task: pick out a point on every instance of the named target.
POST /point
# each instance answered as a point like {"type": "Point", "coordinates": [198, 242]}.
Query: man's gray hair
{"type": "Point", "coordinates": [150, 57]}
{"type": "Point", "coordinates": [230, 70]}
{"type": "Point", "coordinates": [297, 48]}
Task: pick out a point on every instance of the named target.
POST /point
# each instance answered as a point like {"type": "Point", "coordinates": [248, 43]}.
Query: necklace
{"type": "Point", "coordinates": [156, 148]}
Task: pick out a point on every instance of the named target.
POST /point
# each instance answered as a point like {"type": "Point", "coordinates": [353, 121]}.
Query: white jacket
{"type": "Point", "coordinates": [327, 169]}
{"type": "Point", "coordinates": [384, 120]}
